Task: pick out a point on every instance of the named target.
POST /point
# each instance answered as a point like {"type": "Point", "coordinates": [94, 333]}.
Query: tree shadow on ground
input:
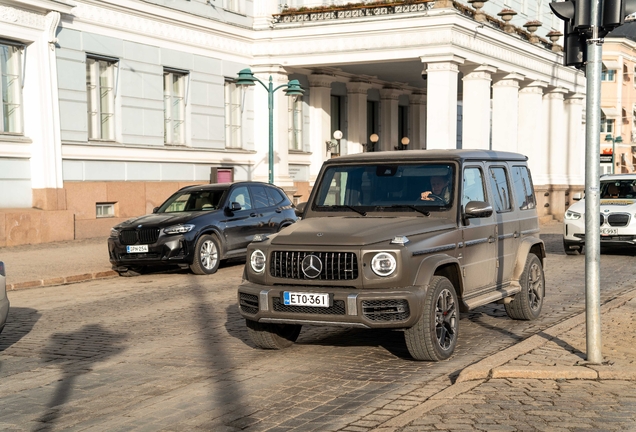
{"type": "Point", "coordinates": [75, 353]}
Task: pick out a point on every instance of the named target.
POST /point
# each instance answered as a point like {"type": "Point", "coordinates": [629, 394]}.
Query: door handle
{"type": "Point", "coordinates": [491, 239]}
{"type": "Point", "coordinates": [278, 210]}
{"type": "Point", "coordinates": [253, 214]}
{"type": "Point", "coordinates": [516, 234]}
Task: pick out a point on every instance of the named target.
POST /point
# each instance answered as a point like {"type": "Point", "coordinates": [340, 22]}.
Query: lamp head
{"type": "Point", "coordinates": [337, 134]}
{"type": "Point", "coordinates": [405, 141]}
{"type": "Point", "coordinates": [294, 88]}
{"type": "Point", "coordinates": [619, 139]}
{"type": "Point", "coordinates": [608, 137]}
{"type": "Point", "coordinates": [245, 78]}
{"type": "Point", "coordinates": [374, 138]}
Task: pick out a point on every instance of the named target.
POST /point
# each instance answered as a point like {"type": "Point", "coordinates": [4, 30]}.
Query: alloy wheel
{"type": "Point", "coordinates": [209, 254]}
{"type": "Point", "coordinates": [445, 319]}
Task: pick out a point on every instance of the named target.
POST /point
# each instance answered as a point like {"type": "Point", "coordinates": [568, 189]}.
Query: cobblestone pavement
{"type": "Point", "coordinates": [169, 351]}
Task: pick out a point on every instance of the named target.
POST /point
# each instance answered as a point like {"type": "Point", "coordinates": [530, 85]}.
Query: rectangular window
{"type": "Point", "coordinates": [473, 187]}
{"type": "Point", "coordinates": [607, 125]}
{"type": "Point", "coordinates": [295, 123]}
{"type": "Point", "coordinates": [100, 88]}
{"type": "Point", "coordinates": [174, 90]}
{"type": "Point", "coordinates": [233, 115]}
{"type": "Point", "coordinates": [11, 108]}
{"type": "Point", "coordinates": [105, 210]}
{"type": "Point", "coordinates": [522, 187]}
{"type": "Point", "coordinates": [607, 74]}
{"type": "Point", "coordinates": [500, 190]}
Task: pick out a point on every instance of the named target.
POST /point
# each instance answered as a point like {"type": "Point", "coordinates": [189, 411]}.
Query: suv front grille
{"type": "Point", "coordinates": [338, 308]}
{"type": "Point", "coordinates": [386, 310]}
{"type": "Point", "coordinates": [335, 265]}
{"type": "Point", "coordinates": [143, 236]}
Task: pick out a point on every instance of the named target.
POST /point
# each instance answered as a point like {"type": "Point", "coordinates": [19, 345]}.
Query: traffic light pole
{"type": "Point", "coordinates": [592, 189]}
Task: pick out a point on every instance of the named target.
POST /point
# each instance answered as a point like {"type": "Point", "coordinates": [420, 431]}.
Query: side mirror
{"type": "Point", "coordinates": [577, 196]}
{"type": "Point", "coordinates": [300, 209]}
{"type": "Point", "coordinates": [478, 209]}
{"type": "Point", "coordinates": [234, 206]}
{"type": "Point", "coordinates": [155, 210]}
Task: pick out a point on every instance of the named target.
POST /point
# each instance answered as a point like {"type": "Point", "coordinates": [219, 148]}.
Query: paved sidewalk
{"type": "Point", "coordinates": [56, 263]}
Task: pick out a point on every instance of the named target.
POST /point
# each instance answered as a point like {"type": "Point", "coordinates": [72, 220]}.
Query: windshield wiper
{"type": "Point", "coordinates": [361, 212]}
{"type": "Point", "coordinates": [419, 210]}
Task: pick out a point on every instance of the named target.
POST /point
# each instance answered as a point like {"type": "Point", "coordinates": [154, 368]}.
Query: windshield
{"type": "Point", "coordinates": [187, 201]}
{"type": "Point", "coordinates": [386, 187]}
{"type": "Point", "coordinates": [625, 189]}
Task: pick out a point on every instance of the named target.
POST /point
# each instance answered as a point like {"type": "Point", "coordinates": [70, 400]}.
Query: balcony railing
{"type": "Point", "coordinates": [366, 10]}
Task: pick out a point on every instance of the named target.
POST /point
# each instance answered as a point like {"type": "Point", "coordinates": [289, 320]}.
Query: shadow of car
{"type": "Point", "coordinates": [198, 226]}
{"type": "Point", "coordinates": [4, 301]}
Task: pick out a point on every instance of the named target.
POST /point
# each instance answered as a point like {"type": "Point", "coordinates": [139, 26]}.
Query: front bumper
{"type": "Point", "coordinates": [377, 308]}
{"type": "Point", "coordinates": [574, 234]}
{"type": "Point", "coordinates": [168, 249]}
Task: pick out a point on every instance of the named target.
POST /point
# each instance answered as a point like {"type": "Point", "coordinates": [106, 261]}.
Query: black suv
{"type": "Point", "coordinates": [403, 240]}
{"type": "Point", "coordinates": [199, 226]}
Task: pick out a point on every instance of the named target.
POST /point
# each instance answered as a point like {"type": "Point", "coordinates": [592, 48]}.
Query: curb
{"type": "Point", "coordinates": [61, 280]}
{"type": "Point", "coordinates": [492, 367]}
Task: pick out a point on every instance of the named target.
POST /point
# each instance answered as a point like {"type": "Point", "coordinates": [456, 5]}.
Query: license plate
{"type": "Point", "coordinates": [305, 299]}
{"type": "Point", "coordinates": [609, 231]}
{"type": "Point", "coordinates": [137, 249]}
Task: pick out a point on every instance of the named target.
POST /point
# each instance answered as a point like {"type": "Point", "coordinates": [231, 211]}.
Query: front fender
{"type": "Point", "coordinates": [444, 265]}
{"type": "Point", "coordinates": [527, 244]}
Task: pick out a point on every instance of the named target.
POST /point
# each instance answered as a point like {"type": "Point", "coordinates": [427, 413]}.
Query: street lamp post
{"type": "Point", "coordinates": [619, 140]}
{"type": "Point", "coordinates": [247, 79]}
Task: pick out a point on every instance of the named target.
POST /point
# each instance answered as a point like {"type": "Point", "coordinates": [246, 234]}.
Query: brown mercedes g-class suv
{"type": "Point", "coordinates": [403, 240]}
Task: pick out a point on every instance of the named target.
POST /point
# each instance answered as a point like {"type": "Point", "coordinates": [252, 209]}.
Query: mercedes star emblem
{"type": "Point", "coordinates": [312, 266]}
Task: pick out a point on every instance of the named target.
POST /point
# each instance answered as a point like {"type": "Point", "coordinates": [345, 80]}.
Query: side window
{"type": "Point", "coordinates": [473, 186]}
{"type": "Point", "coordinates": [260, 197]}
{"type": "Point", "coordinates": [522, 186]}
{"type": "Point", "coordinates": [241, 196]}
{"type": "Point", "coordinates": [276, 197]}
{"type": "Point", "coordinates": [500, 190]}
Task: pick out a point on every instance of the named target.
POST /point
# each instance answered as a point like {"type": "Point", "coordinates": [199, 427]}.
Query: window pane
{"type": "Point", "coordinates": [241, 196]}
{"type": "Point", "coordinates": [11, 89]}
{"type": "Point", "coordinates": [100, 95]}
{"type": "Point", "coordinates": [174, 107]}
{"type": "Point", "coordinates": [524, 193]}
{"type": "Point", "coordinates": [275, 196]}
{"type": "Point", "coordinates": [473, 186]}
{"type": "Point", "coordinates": [233, 115]}
{"type": "Point", "coordinates": [500, 190]}
{"type": "Point", "coordinates": [260, 197]}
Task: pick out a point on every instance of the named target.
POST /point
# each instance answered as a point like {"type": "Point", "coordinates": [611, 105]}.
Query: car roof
{"type": "Point", "coordinates": [629, 176]}
{"type": "Point", "coordinates": [429, 155]}
{"type": "Point", "coordinates": [222, 186]}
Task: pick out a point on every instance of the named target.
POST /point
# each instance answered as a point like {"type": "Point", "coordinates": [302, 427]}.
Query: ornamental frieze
{"type": "Point", "coordinates": [21, 17]}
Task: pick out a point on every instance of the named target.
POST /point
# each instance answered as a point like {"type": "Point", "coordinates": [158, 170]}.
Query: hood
{"type": "Point", "coordinates": [621, 205]}
{"type": "Point", "coordinates": [356, 231]}
{"type": "Point", "coordinates": [161, 220]}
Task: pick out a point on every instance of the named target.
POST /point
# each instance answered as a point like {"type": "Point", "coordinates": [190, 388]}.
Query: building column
{"type": "Point", "coordinates": [531, 140]}
{"type": "Point", "coordinates": [417, 114]}
{"type": "Point", "coordinates": [46, 155]}
{"type": "Point", "coordinates": [505, 112]}
{"type": "Point", "coordinates": [263, 11]}
{"type": "Point", "coordinates": [357, 116]}
{"type": "Point", "coordinates": [389, 118]}
{"type": "Point", "coordinates": [476, 107]}
{"type": "Point", "coordinates": [280, 122]}
{"type": "Point", "coordinates": [575, 142]}
{"type": "Point", "coordinates": [441, 87]}
{"type": "Point", "coordinates": [319, 120]}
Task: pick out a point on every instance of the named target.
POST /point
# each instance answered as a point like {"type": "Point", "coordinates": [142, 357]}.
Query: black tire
{"type": "Point", "coordinates": [528, 303]}
{"type": "Point", "coordinates": [272, 336]}
{"type": "Point", "coordinates": [434, 336]}
{"type": "Point", "coordinates": [571, 250]}
{"type": "Point", "coordinates": [206, 258]}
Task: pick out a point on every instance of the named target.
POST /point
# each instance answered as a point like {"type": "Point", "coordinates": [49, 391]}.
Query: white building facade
{"type": "Point", "coordinates": [110, 106]}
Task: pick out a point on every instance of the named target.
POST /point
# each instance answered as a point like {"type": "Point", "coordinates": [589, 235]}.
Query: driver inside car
{"type": "Point", "coordinates": [439, 188]}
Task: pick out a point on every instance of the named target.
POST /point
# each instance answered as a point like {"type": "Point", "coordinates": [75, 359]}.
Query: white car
{"type": "Point", "coordinates": [618, 215]}
{"type": "Point", "coordinates": [4, 301]}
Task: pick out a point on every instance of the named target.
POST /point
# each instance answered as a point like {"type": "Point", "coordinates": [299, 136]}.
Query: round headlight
{"type": "Point", "coordinates": [257, 261]}
{"type": "Point", "coordinates": [383, 264]}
